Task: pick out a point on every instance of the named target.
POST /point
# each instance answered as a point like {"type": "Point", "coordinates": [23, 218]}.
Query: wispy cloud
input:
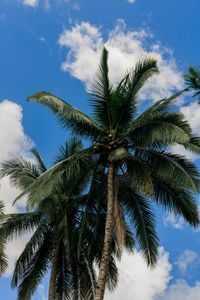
{"type": "Point", "coordinates": [174, 221]}
{"type": "Point", "coordinates": [188, 259]}
{"type": "Point", "coordinates": [32, 3]}
{"type": "Point", "coordinates": [181, 290]}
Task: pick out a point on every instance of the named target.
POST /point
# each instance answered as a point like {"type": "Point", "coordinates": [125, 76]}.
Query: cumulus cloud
{"type": "Point", "coordinates": [13, 141]}
{"type": "Point", "coordinates": [84, 44]}
{"type": "Point", "coordinates": [13, 251]}
{"type": "Point", "coordinates": [186, 260]}
{"type": "Point", "coordinates": [138, 282]}
{"type": "Point", "coordinates": [32, 3]}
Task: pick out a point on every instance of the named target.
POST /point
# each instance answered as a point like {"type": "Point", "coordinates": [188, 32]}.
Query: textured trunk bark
{"type": "Point", "coordinates": [52, 283]}
{"type": "Point", "coordinates": [101, 282]}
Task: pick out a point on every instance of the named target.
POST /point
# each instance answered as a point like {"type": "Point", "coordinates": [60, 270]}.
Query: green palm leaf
{"type": "Point", "coordinates": [192, 79]}
{"type": "Point", "coordinates": [100, 93]}
{"type": "Point", "coordinates": [176, 201]}
{"type": "Point", "coordinates": [181, 172]}
{"type": "Point", "coordinates": [141, 216]}
{"type": "Point", "coordinates": [68, 116]}
{"type": "Point", "coordinates": [37, 268]}
{"type": "Point", "coordinates": [153, 112]}
{"type": "Point", "coordinates": [124, 104]}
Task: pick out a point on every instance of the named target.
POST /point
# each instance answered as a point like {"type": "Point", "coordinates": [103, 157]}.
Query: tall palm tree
{"type": "Point", "coordinates": [57, 221]}
{"type": "Point", "coordinates": [133, 149]}
{"type": "Point", "coordinates": [192, 79]}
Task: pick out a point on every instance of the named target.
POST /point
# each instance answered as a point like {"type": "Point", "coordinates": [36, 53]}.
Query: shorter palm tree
{"type": "Point", "coordinates": [59, 240]}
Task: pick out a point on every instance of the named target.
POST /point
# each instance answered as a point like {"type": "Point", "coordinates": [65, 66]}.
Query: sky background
{"type": "Point", "coordinates": [55, 45]}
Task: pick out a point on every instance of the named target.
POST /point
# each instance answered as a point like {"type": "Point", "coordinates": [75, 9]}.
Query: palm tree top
{"type": "Point", "coordinates": [192, 80]}
{"type": "Point", "coordinates": [136, 144]}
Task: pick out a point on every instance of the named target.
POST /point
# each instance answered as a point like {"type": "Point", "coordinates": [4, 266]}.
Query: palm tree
{"type": "Point", "coordinates": [192, 79]}
{"type": "Point", "coordinates": [133, 149]}
{"type": "Point", "coordinates": [57, 221]}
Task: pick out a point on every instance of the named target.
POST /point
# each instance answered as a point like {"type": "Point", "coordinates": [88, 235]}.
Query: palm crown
{"type": "Point", "coordinates": [192, 79]}
{"type": "Point", "coordinates": [133, 150]}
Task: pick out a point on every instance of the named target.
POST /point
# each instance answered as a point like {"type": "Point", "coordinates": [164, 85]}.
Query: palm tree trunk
{"type": "Point", "coordinates": [52, 283]}
{"type": "Point", "coordinates": [101, 282]}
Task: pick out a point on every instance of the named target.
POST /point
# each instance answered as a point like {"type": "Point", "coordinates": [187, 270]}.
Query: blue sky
{"type": "Point", "coordinates": [54, 45]}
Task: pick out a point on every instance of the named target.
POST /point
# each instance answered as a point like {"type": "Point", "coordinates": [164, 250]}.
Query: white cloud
{"type": "Point", "coordinates": [138, 282]}
{"type": "Point", "coordinates": [13, 250]}
{"type": "Point", "coordinates": [186, 260]}
{"type": "Point", "coordinates": [192, 113]}
{"type": "Point", "coordinates": [179, 149]}
{"type": "Point", "coordinates": [182, 290]}
{"type": "Point", "coordinates": [13, 141]}
{"type": "Point", "coordinates": [174, 221]}
{"type": "Point", "coordinates": [84, 43]}
{"type": "Point", "coordinates": [32, 3]}
{"type": "Point", "coordinates": [42, 39]}
{"type": "Point", "coordinates": [131, 1]}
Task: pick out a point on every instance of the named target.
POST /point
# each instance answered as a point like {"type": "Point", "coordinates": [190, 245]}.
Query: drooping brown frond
{"type": "Point", "coordinates": [118, 219]}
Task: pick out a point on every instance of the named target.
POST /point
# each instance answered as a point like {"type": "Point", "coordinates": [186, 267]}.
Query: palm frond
{"type": "Point", "coordinates": [193, 145]}
{"type": "Point", "coordinates": [176, 200]}
{"type": "Point", "coordinates": [112, 275]}
{"type": "Point", "coordinates": [141, 216]}
{"type": "Point", "coordinates": [2, 207]}
{"type": "Point", "coordinates": [101, 94]}
{"type": "Point", "coordinates": [124, 101]}
{"type": "Point", "coordinates": [21, 172]}
{"type": "Point", "coordinates": [47, 182]}
{"type": "Point", "coordinates": [39, 160]}
{"type": "Point", "coordinates": [19, 223]}
{"type": "Point", "coordinates": [3, 258]}
{"type": "Point", "coordinates": [139, 175]}
{"type": "Point", "coordinates": [68, 116]}
{"type": "Point", "coordinates": [192, 80]}
{"type": "Point", "coordinates": [153, 112]}
{"type": "Point", "coordinates": [63, 277]}
{"type": "Point", "coordinates": [37, 268]}
{"type": "Point", "coordinates": [181, 171]}
{"type": "Point", "coordinates": [29, 251]}
{"type": "Point", "coordinates": [71, 147]}
{"type": "Point", "coordinates": [166, 128]}
{"type": "Point", "coordinates": [118, 218]}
